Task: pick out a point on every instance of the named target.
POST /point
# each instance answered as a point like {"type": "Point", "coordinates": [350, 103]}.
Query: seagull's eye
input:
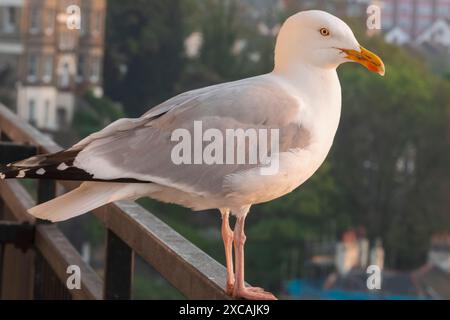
{"type": "Point", "coordinates": [324, 32]}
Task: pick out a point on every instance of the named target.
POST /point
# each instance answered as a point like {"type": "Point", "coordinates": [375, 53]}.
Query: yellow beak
{"type": "Point", "coordinates": [367, 58]}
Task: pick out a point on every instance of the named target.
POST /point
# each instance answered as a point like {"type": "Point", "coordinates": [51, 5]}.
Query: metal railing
{"type": "Point", "coordinates": [34, 255]}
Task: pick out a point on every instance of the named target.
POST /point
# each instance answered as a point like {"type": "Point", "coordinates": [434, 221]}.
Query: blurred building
{"type": "Point", "coordinates": [439, 253]}
{"type": "Point", "coordinates": [342, 8]}
{"type": "Point", "coordinates": [434, 277]}
{"type": "Point", "coordinates": [418, 22]}
{"type": "Point", "coordinates": [353, 252]}
{"type": "Point", "coordinates": [423, 25]}
{"type": "Point", "coordinates": [413, 16]}
{"type": "Point", "coordinates": [50, 61]}
{"type": "Point", "coordinates": [437, 33]}
{"type": "Point", "coordinates": [348, 278]}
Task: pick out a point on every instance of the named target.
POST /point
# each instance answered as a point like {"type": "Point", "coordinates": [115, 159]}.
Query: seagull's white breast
{"type": "Point", "coordinates": [319, 109]}
{"type": "Point", "coordinates": [318, 103]}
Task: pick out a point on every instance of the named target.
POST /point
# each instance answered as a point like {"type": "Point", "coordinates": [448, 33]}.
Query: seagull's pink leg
{"type": "Point", "coordinates": [227, 236]}
{"type": "Point", "coordinates": [240, 291]}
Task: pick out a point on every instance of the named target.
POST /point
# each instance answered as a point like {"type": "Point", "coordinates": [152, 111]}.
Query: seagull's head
{"type": "Point", "coordinates": [320, 39]}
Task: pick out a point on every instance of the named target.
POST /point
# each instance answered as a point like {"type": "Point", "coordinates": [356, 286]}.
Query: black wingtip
{"type": "Point", "coordinates": [5, 171]}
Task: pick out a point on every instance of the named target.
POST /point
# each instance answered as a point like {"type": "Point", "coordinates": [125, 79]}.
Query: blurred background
{"type": "Point", "coordinates": [383, 195]}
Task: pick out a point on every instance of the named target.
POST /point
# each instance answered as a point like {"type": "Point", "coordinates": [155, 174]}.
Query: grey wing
{"type": "Point", "coordinates": [143, 151]}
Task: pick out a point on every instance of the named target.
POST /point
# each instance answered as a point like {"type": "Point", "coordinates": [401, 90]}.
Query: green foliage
{"type": "Point", "coordinates": [447, 76]}
{"type": "Point", "coordinates": [223, 24]}
{"type": "Point", "coordinates": [93, 114]}
{"type": "Point", "coordinates": [391, 153]}
{"type": "Point", "coordinates": [144, 45]}
{"type": "Point", "coordinates": [94, 229]}
{"type": "Point", "coordinates": [145, 287]}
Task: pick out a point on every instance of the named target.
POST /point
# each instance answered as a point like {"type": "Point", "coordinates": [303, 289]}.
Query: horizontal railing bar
{"type": "Point", "coordinates": [187, 268]}
{"type": "Point", "coordinates": [51, 242]}
{"type": "Point", "coordinates": [21, 234]}
{"type": "Point", "coordinates": [17, 199]}
{"type": "Point", "coordinates": [18, 268]}
{"type": "Point", "coordinates": [119, 268]}
{"type": "Point", "coordinates": [21, 132]}
{"type": "Point", "coordinates": [195, 274]}
{"type": "Point", "coordinates": [60, 254]}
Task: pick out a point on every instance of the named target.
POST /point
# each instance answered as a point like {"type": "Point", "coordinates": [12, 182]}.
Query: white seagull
{"type": "Point", "coordinates": [133, 158]}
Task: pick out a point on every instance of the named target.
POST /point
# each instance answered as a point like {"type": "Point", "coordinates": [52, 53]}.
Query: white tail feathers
{"type": "Point", "coordinates": [87, 197]}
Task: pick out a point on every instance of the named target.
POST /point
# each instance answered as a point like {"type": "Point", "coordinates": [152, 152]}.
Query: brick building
{"type": "Point", "coordinates": [51, 64]}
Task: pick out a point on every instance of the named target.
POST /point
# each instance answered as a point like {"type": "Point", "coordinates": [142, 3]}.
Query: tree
{"type": "Point", "coordinates": [143, 56]}
{"type": "Point", "coordinates": [93, 114]}
{"type": "Point", "coordinates": [221, 25]}
{"type": "Point", "coordinates": [391, 153]}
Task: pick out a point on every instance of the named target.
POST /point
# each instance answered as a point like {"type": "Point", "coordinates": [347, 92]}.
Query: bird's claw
{"type": "Point", "coordinates": [230, 289]}
{"type": "Point", "coordinates": [253, 293]}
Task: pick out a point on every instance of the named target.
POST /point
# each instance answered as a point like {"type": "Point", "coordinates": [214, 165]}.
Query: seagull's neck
{"type": "Point", "coordinates": [319, 93]}
{"type": "Point", "coordinates": [318, 87]}
{"type": "Point", "coordinates": [306, 76]}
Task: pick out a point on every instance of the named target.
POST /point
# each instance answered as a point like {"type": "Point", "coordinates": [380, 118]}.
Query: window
{"type": "Point", "coordinates": [32, 111]}
{"type": "Point", "coordinates": [32, 68]}
{"type": "Point", "coordinates": [80, 68]}
{"type": "Point", "coordinates": [64, 77]}
{"type": "Point", "coordinates": [48, 69]}
{"type": "Point", "coordinates": [405, 23]}
{"type": "Point", "coordinates": [67, 40]}
{"type": "Point", "coordinates": [355, 10]}
{"type": "Point", "coordinates": [422, 24]}
{"type": "Point", "coordinates": [34, 20]}
{"type": "Point", "coordinates": [388, 8]}
{"type": "Point", "coordinates": [50, 25]}
{"type": "Point", "coordinates": [61, 115]}
{"type": "Point", "coordinates": [98, 23]}
{"type": "Point", "coordinates": [46, 112]}
{"type": "Point", "coordinates": [387, 21]}
{"type": "Point", "coordinates": [9, 19]}
{"type": "Point", "coordinates": [406, 8]}
{"type": "Point", "coordinates": [425, 9]}
{"type": "Point", "coordinates": [84, 22]}
{"type": "Point", "coordinates": [443, 8]}
{"type": "Point", "coordinates": [95, 70]}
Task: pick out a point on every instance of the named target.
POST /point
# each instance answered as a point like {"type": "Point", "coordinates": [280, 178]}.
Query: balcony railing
{"type": "Point", "coordinates": [34, 255]}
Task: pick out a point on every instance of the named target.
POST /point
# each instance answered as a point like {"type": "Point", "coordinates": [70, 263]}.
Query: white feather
{"type": "Point", "coordinates": [87, 197]}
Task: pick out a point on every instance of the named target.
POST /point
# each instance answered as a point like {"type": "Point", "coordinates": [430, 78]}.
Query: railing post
{"type": "Point", "coordinates": [1, 244]}
{"type": "Point", "coordinates": [119, 268]}
{"type": "Point", "coordinates": [46, 283]}
{"type": "Point", "coordinates": [2, 216]}
{"type": "Point", "coordinates": [17, 269]}
{"type": "Point", "coordinates": [44, 193]}
{"type": "Point", "coordinates": [16, 266]}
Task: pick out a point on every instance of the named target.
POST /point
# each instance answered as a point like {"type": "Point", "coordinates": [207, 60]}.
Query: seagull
{"type": "Point", "coordinates": [299, 102]}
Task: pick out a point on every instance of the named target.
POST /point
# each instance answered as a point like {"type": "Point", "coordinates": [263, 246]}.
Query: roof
{"type": "Point", "coordinates": [433, 281]}
{"type": "Point", "coordinates": [353, 287]}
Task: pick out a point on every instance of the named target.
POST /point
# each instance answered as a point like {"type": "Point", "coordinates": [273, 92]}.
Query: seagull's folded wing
{"type": "Point", "coordinates": [141, 148]}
